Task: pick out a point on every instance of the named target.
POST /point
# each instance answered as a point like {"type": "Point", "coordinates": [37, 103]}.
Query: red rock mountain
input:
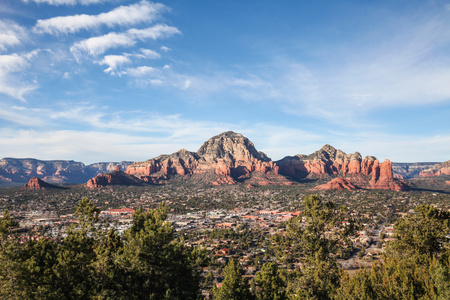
{"type": "Point", "coordinates": [116, 177]}
{"type": "Point", "coordinates": [436, 170]}
{"type": "Point", "coordinates": [330, 162]}
{"type": "Point", "coordinates": [38, 184]}
{"type": "Point", "coordinates": [227, 158]}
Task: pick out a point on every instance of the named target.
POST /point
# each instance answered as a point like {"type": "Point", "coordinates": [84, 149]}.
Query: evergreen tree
{"type": "Point", "coordinates": [233, 286]}
{"type": "Point", "coordinates": [271, 284]}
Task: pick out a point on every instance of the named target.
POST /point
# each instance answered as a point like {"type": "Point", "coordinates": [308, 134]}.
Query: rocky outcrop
{"type": "Point", "coordinates": [338, 184]}
{"type": "Point", "coordinates": [410, 170]}
{"type": "Point", "coordinates": [38, 184]}
{"type": "Point", "coordinates": [227, 158]}
{"type": "Point", "coordinates": [437, 170]}
{"type": "Point", "coordinates": [164, 167]}
{"type": "Point", "coordinates": [329, 162]}
{"type": "Point", "coordinates": [116, 177]}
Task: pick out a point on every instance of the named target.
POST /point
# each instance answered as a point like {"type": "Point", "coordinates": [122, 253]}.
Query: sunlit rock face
{"type": "Point", "coordinates": [38, 184]}
{"type": "Point", "coordinates": [227, 158]}
{"type": "Point", "coordinates": [329, 162]}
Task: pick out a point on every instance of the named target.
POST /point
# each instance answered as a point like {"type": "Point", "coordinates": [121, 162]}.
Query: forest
{"type": "Point", "coordinates": [150, 260]}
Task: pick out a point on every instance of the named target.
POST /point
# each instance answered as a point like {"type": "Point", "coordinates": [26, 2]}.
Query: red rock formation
{"type": "Point", "coordinates": [337, 183]}
{"type": "Point", "coordinates": [330, 162]}
{"type": "Point", "coordinates": [227, 158]}
{"type": "Point", "coordinates": [113, 178]}
{"type": "Point", "coordinates": [38, 184]}
{"type": "Point", "coordinates": [436, 170]}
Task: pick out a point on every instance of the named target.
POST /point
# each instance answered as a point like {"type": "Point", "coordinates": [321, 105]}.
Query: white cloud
{"type": "Point", "coordinates": [141, 71]}
{"type": "Point", "coordinates": [114, 61]}
{"type": "Point", "coordinates": [155, 32]}
{"type": "Point", "coordinates": [9, 85]}
{"type": "Point", "coordinates": [11, 34]}
{"type": "Point", "coordinates": [99, 45]}
{"type": "Point", "coordinates": [147, 53]}
{"type": "Point", "coordinates": [143, 11]}
{"type": "Point", "coordinates": [68, 2]}
{"type": "Point", "coordinates": [165, 49]}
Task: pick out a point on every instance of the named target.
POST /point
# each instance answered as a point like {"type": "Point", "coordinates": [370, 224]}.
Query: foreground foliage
{"type": "Point", "coordinates": [148, 262]}
{"type": "Point", "coordinates": [145, 263]}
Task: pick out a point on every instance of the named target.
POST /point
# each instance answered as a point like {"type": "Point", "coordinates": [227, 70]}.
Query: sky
{"type": "Point", "coordinates": [114, 80]}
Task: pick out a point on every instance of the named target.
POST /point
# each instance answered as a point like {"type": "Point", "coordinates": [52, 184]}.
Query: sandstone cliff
{"type": "Point", "coordinates": [329, 162]}
{"type": "Point", "coordinates": [436, 170]}
{"type": "Point", "coordinates": [227, 158]}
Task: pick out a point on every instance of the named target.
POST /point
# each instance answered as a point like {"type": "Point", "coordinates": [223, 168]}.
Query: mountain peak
{"type": "Point", "coordinates": [229, 146]}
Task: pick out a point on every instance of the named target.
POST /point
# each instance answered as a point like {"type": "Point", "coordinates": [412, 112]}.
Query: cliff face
{"type": "Point", "coordinates": [224, 159]}
{"type": "Point", "coordinates": [329, 162]}
{"type": "Point", "coordinates": [410, 170]}
{"type": "Point", "coordinates": [436, 170]}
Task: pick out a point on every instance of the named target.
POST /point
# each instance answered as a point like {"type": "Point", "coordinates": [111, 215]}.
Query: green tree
{"type": "Point", "coordinates": [423, 234]}
{"type": "Point", "coordinates": [316, 242]}
{"type": "Point", "coordinates": [233, 286]}
{"type": "Point", "coordinates": [156, 266]}
{"type": "Point", "coordinates": [270, 282]}
{"type": "Point", "coordinates": [415, 265]}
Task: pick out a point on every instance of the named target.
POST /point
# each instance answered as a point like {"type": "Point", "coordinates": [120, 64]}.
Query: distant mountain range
{"type": "Point", "coordinates": [228, 158]}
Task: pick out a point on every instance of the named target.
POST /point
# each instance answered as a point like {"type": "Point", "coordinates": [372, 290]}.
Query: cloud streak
{"type": "Point", "coordinates": [98, 45]}
{"type": "Point", "coordinates": [133, 14]}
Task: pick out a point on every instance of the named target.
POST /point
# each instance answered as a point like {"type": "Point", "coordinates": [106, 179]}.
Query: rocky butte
{"type": "Point", "coordinates": [116, 177]}
{"type": "Point", "coordinates": [329, 162]}
{"type": "Point", "coordinates": [38, 184]}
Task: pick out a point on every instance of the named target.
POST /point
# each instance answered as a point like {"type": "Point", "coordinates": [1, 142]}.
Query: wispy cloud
{"type": "Point", "coordinates": [98, 45]}
{"type": "Point", "coordinates": [11, 34]}
{"type": "Point", "coordinates": [143, 11]}
{"type": "Point", "coordinates": [9, 85]}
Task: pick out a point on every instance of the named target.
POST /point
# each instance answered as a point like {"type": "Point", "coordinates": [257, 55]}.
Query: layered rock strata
{"type": "Point", "coordinates": [437, 170]}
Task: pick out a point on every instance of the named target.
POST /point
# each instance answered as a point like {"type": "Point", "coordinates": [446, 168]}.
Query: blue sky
{"type": "Point", "coordinates": [109, 80]}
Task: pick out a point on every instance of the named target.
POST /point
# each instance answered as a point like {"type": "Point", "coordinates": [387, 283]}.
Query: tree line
{"type": "Point", "coordinates": [149, 261]}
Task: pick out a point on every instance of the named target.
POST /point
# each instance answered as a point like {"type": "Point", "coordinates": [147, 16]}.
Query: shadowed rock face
{"type": "Point", "coordinates": [329, 162]}
{"type": "Point", "coordinates": [436, 170]}
{"type": "Point", "coordinates": [38, 184]}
